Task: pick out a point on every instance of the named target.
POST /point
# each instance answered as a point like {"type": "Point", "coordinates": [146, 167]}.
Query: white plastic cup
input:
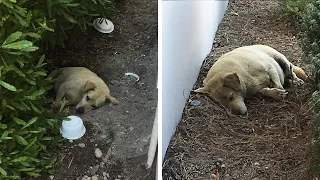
{"type": "Point", "coordinates": [103, 25]}
{"type": "Point", "coordinates": [72, 129]}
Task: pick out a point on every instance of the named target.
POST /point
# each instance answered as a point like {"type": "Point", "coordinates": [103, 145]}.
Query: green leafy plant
{"type": "Point", "coordinates": [310, 31]}
{"type": "Point", "coordinates": [64, 15]}
{"type": "Point", "coordinates": [295, 8]}
{"type": "Point", "coordinates": [29, 130]}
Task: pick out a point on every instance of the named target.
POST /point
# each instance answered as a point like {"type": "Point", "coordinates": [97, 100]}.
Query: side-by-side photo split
{"type": "Point", "coordinates": [159, 90]}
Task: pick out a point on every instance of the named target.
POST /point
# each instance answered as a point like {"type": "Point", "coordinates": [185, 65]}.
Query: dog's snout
{"type": "Point", "coordinates": [239, 111]}
{"type": "Point", "coordinates": [80, 110]}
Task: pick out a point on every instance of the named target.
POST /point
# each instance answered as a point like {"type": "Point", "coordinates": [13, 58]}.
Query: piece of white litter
{"type": "Point", "coordinates": [133, 75]}
{"type": "Point", "coordinates": [98, 153]}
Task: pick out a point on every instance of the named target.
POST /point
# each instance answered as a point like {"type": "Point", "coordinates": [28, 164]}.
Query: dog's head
{"type": "Point", "coordinates": [92, 97]}
{"type": "Point", "coordinates": [228, 92]}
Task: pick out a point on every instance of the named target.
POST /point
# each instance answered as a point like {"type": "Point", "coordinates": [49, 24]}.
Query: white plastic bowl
{"type": "Point", "coordinates": [72, 129]}
{"type": "Point", "coordinates": [103, 25]}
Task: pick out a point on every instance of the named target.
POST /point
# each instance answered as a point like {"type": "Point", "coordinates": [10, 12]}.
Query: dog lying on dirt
{"type": "Point", "coordinates": [80, 87]}
{"type": "Point", "coordinates": [246, 71]}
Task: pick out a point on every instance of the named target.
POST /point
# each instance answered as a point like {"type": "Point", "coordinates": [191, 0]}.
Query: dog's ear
{"type": "Point", "coordinates": [232, 81]}
{"type": "Point", "coordinates": [89, 86]}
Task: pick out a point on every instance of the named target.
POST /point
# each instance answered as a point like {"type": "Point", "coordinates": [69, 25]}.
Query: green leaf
{"type": "Point", "coordinates": [41, 73]}
{"type": "Point", "coordinates": [23, 158]}
{"type": "Point", "coordinates": [41, 60]}
{"type": "Point", "coordinates": [26, 169]}
{"type": "Point", "coordinates": [18, 45]}
{"type": "Point", "coordinates": [62, 104]}
{"type": "Point", "coordinates": [8, 4]}
{"type": "Point", "coordinates": [19, 121]}
{"type": "Point", "coordinates": [13, 37]}
{"type": "Point", "coordinates": [21, 20]}
{"type": "Point", "coordinates": [64, 1]}
{"type": "Point", "coordinates": [24, 163]}
{"type": "Point", "coordinates": [14, 1]}
{"type": "Point", "coordinates": [7, 86]}
{"type": "Point", "coordinates": [3, 172]}
{"type": "Point", "coordinates": [44, 25]}
{"type": "Point", "coordinates": [33, 174]}
{"type": "Point", "coordinates": [47, 138]}
{"type": "Point", "coordinates": [20, 140]}
{"type": "Point", "coordinates": [3, 126]}
{"type": "Point", "coordinates": [34, 108]}
{"type": "Point", "coordinates": [34, 35]}
{"type": "Point", "coordinates": [34, 95]}
{"type": "Point", "coordinates": [30, 81]}
{"type": "Point", "coordinates": [31, 143]}
{"type": "Point", "coordinates": [68, 17]}
{"type": "Point", "coordinates": [73, 4]}
{"type": "Point", "coordinates": [5, 135]}
{"type": "Point", "coordinates": [30, 49]}
{"type": "Point", "coordinates": [33, 120]}
{"type": "Point", "coordinates": [34, 159]}
{"type": "Point", "coordinates": [52, 161]}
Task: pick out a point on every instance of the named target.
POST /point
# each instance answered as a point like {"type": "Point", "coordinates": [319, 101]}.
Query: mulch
{"type": "Point", "coordinates": [273, 140]}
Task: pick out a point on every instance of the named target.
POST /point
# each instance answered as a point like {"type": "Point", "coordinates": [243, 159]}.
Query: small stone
{"type": "Point", "coordinates": [98, 153]}
{"type": "Point", "coordinates": [51, 176]}
{"type": "Point", "coordinates": [104, 174]}
{"type": "Point", "coordinates": [108, 175]}
{"type": "Point", "coordinates": [94, 170]}
{"type": "Point", "coordinates": [131, 128]}
{"type": "Point", "coordinates": [105, 178]}
{"type": "Point", "coordinates": [82, 145]}
{"type": "Point", "coordinates": [95, 177]}
{"type": "Point", "coordinates": [85, 177]}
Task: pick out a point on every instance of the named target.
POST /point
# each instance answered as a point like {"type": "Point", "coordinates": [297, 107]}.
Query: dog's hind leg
{"type": "Point", "coordinates": [275, 79]}
{"type": "Point", "coordinates": [289, 70]}
{"type": "Point", "coordinates": [274, 92]}
{"type": "Point", "coordinates": [60, 94]}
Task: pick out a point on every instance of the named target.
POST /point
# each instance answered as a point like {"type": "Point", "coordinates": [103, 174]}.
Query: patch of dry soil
{"type": "Point", "coordinates": [273, 141]}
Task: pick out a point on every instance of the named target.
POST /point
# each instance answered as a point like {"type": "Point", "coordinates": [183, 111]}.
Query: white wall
{"type": "Point", "coordinates": [188, 29]}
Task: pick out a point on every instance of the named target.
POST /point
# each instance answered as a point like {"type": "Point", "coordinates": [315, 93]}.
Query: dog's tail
{"type": "Point", "coordinates": [113, 100]}
{"type": "Point", "coordinates": [300, 73]}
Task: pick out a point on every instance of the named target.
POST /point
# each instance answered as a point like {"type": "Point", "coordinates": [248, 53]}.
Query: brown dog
{"type": "Point", "coordinates": [80, 87]}
{"type": "Point", "coordinates": [249, 70]}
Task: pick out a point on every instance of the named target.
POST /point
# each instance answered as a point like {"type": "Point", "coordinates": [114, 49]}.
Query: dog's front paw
{"type": "Point", "coordinates": [55, 105]}
{"type": "Point", "coordinates": [298, 82]}
{"type": "Point", "coordinates": [274, 93]}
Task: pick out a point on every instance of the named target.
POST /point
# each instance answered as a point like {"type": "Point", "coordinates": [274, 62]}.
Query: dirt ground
{"type": "Point", "coordinates": [121, 132]}
{"type": "Point", "coordinates": [274, 140]}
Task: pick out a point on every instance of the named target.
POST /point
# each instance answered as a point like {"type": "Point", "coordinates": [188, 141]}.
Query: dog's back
{"type": "Point", "coordinates": [249, 63]}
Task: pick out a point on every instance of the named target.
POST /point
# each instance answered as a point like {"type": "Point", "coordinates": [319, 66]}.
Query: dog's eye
{"type": "Point", "coordinates": [88, 98]}
{"type": "Point", "coordinates": [231, 97]}
{"type": "Point", "coordinates": [94, 106]}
